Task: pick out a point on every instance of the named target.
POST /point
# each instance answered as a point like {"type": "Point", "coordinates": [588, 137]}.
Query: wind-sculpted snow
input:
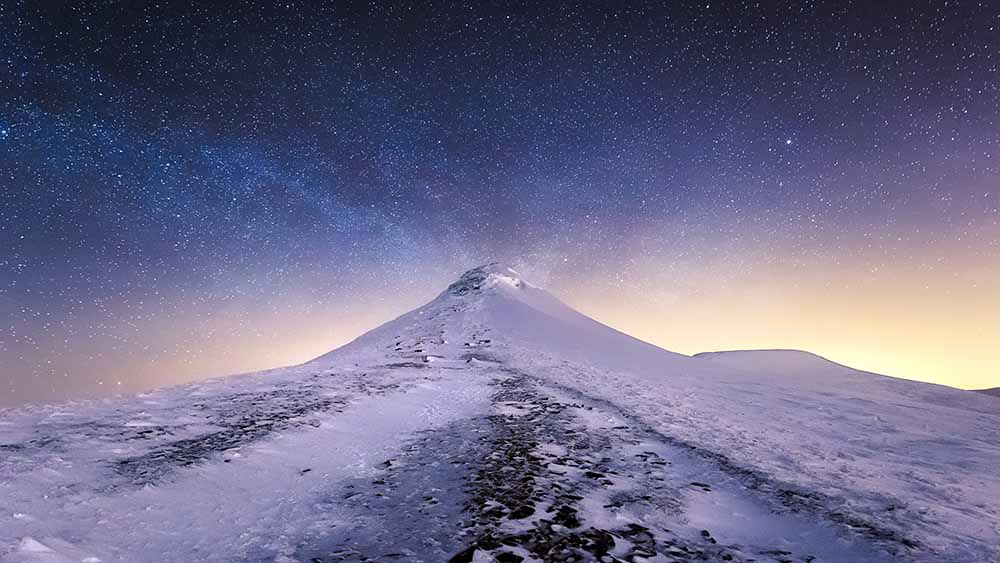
{"type": "Point", "coordinates": [252, 493]}
{"type": "Point", "coordinates": [497, 424]}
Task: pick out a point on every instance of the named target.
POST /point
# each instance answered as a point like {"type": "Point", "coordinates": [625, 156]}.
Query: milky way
{"type": "Point", "coordinates": [191, 190]}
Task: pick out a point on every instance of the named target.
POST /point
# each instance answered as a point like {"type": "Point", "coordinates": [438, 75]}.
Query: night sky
{"type": "Point", "coordinates": [190, 189]}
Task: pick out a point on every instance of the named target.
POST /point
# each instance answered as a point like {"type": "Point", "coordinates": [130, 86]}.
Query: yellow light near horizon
{"type": "Point", "coordinates": [930, 324]}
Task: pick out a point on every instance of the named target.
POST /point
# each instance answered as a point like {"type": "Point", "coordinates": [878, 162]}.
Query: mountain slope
{"type": "Point", "coordinates": [496, 423]}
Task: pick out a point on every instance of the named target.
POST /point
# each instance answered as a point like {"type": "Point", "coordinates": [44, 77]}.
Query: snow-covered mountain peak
{"type": "Point", "coordinates": [484, 277]}
{"type": "Point", "coordinates": [492, 307]}
{"type": "Point", "coordinates": [497, 423]}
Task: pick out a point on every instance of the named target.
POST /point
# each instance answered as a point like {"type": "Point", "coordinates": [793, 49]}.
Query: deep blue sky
{"type": "Point", "coordinates": [190, 189]}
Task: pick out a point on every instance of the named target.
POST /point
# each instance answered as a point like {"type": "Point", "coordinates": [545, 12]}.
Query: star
{"type": "Point", "coordinates": [175, 185]}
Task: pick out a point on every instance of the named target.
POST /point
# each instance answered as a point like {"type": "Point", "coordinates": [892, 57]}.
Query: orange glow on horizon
{"type": "Point", "coordinates": [937, 322]}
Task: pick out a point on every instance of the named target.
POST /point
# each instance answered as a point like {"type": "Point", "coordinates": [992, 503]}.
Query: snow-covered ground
{"type": "Point", "coordinates": [497, 424]}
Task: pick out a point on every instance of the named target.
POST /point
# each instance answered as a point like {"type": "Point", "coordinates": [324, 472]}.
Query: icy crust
{"type": "Point", "coordinates": [237, 470]}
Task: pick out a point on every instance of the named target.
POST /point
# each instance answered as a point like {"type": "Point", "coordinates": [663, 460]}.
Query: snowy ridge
{"type": "Point", "coordinates": [785, 360]}
{"type": "Point", "coordinates": [496, 423]}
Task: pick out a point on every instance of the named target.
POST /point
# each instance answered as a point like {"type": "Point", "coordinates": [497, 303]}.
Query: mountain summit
{"type": "Point", "coordinates": [483, 277]}
{"type": "Point", "coordinates": [493, 303]}
{"type": "Point", "coordinates": [496, 423]}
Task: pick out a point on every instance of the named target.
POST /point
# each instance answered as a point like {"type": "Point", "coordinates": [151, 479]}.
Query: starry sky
{"type": "Point", "coordinates": [193, 189]}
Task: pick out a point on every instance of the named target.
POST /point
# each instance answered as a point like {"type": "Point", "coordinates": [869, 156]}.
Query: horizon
{"type": "Point", "coordinates": [315, 355]}
{"type": "Point", "coordinates": [186, 193]}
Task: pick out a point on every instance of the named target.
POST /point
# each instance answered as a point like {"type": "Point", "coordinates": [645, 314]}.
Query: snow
{"type": "Point", "coordinates": [227, 509]}
{"type": "Point", "coordinates": [496, 409]}
{"type": "Point", "coordinates": [914, 458]}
